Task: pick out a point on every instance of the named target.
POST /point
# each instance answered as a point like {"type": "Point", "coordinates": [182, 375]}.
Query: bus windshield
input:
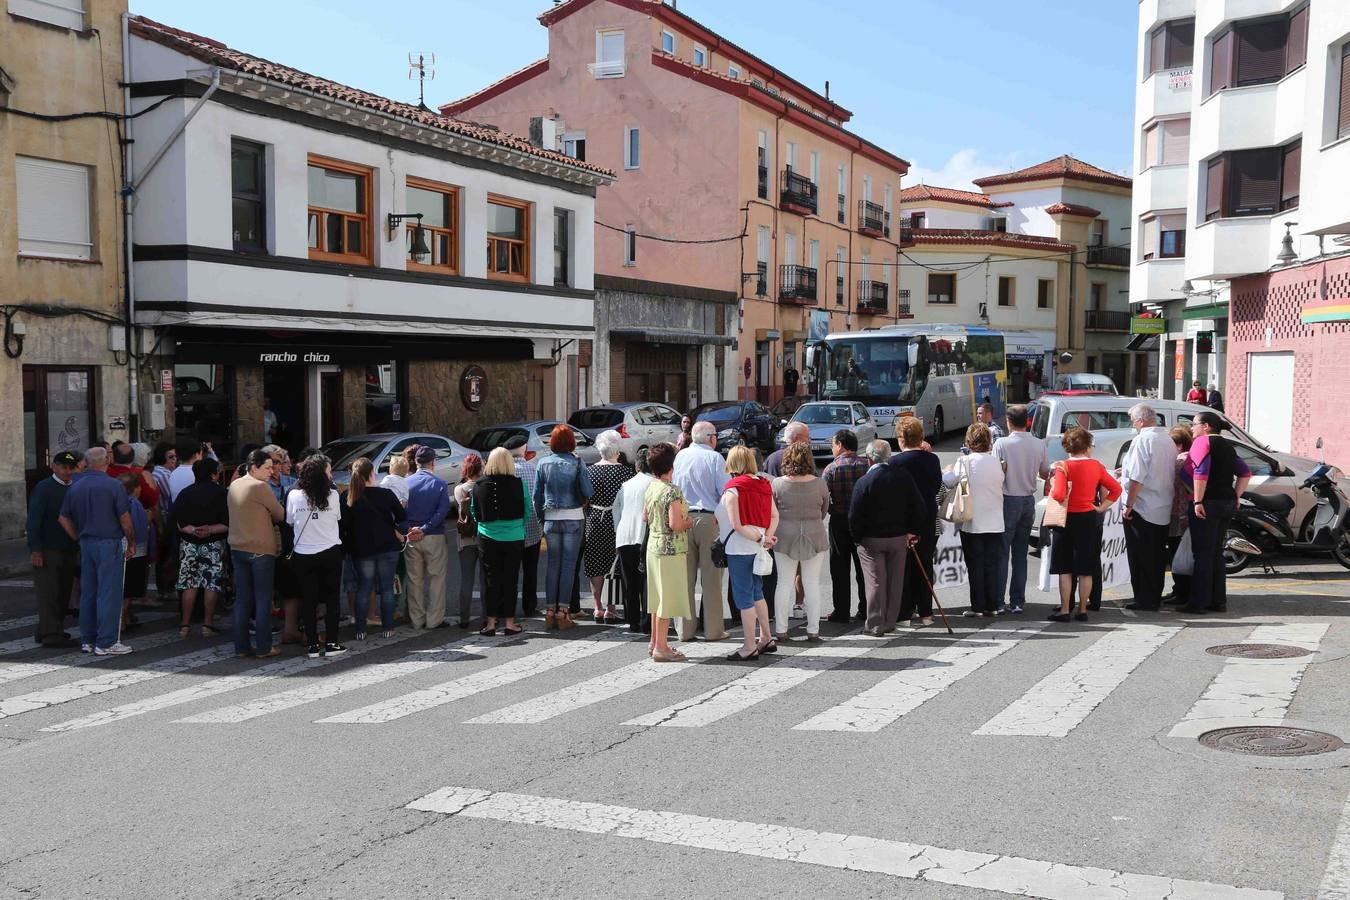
{"type": "Point", "coordinates": [881, 371]}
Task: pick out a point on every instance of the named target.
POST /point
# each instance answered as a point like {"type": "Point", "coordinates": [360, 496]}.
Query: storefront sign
{"type": "Point", "coordinates": [281, 353]}
{"type": "Point", "coordinates": [166, 381]}
{"type": "Point", "coordinates": [473, 387]}
{"type": "Point", "coordinates": [1179, 367]}
{"type": "Point", "coordinates": [1148, 325]}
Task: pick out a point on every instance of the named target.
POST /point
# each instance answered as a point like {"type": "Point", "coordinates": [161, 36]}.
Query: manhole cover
{"type": "Point", "coordinates": [1271, 740]}
{"type": "Point", "coordinates": [1258, 651]}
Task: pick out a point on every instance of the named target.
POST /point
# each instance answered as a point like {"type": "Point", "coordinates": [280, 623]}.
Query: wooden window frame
{"type": "Point", "coordinates": [1012, 292]}
{"type": "Point", "coordinates": [524, 274]}
{"type": "Point", "coordinates": [452, 232]}
{"type": "Point", "coordinates": [1049, 295]}
{"type": "Point", "coordinates": [366, 258]}
{"type": "Point", "coordinates": [929, 294]}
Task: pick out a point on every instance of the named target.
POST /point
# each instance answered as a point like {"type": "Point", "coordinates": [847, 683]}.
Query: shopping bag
{"type": "Point", "coordinates": [1183, 561]}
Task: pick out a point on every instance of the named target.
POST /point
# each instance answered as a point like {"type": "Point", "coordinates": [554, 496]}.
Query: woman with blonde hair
{"type": "Point", "coordinates": [982, 535]}
{"type": "Point", "coordinates": [748, 522]}
{"type": "Point", "coordinates": [802, 501]}
{"type": "Point", "coordinates": [373, 532]}
{"type": "Point", "coordinates": [667, 577]}
{"type": "Point", "coordinates": [397, 479]}
{"type": "Point", "coordinates": [500, 505]}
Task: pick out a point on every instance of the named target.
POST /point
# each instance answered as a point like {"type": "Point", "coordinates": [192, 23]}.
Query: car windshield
{"type": "Point", "coordinates": [491, 438]}
{"type": "Point", "coordinates": [823, 415]}
{"type": "Point", "coordinates": [595, 418]}
{"type": "Point", "coordinates": [717, 412]}
{"type": "Point", "coordinates": [344, 451]}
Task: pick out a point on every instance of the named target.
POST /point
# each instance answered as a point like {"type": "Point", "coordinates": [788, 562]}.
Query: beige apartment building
{"type": "Point", "coordinates": [64, 372]}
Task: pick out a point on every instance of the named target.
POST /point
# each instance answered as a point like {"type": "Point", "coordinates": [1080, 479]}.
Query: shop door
{"type": "Point", "coordinates": [673, 389]}
{"type": "Point", "coordinates": [1270, 399]}
{"type": "Point", "coordinates": [635, 387]}
{"type": "Point", "coordinates": [330, 407]}
{"type": "Point", "coordinates": [58, 414]}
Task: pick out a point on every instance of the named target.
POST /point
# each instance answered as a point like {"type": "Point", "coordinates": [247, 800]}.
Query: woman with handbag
{"type": "Point", "coordinates": [886, 517]}
{"type": "Point", "coordinates": [1177, 529]}
{"type": "Point", "coordinates": [608, 476]}
{"type": "Point", "coordinates": [747, 520]}
{"type": "Point", "coordinates": [1075, 549]}
{"type": "Point", "coordinates": [467, 530]}
{"type": "Point", "coordinates": [803, 501]}
{"type": "Point", "coordinates": [562, 485]}
{"type": "Point", "coordinates": [976, 506]}
{"type": "Point", "coordinates": [500, 505]}
{"type": "Point", "coordinates": [375, 525]}
{"type": "Point", "coordinates": [668, 519]}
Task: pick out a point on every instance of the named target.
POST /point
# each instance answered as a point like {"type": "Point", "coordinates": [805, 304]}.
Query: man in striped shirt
{"type": "Point", "coordinates": [840, 478]}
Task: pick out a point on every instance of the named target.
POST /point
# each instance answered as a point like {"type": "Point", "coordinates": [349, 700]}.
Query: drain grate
{"type": "Point", "coordinates": [1258, 651]}
{"type": "Point", "coordinates": [1271, 740]}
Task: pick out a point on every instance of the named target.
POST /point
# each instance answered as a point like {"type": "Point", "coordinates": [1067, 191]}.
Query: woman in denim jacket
{"type": "Point", "coordinates": [561, 489]}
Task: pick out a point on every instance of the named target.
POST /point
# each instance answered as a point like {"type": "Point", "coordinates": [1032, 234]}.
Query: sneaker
{"type": "Point", "coordinates": [331, 649]}
{"type": "Point", "coordinates": [360, 635]}
{"type": "Point", "coordinates": [798, 612]}
{"type": "Point", "coordinates": [925, 621]}
{"type": "Point", "coordinates": [314, 651]}
{"type": "Point", "coordinates": [86, 648]}
{"type": "Point", "coordinates": [1016, 610]}
{"type": "Point", "coordinates": [970, 614]}
{"type": "Point", "coordinates": [386, 634]}
{"type": "Point", "coordinates": [116, 649]}
{"type": "Point", "coordinates": [1001, 611]}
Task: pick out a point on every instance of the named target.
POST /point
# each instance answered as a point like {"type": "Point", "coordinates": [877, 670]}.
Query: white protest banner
{"type": "Point", "coordinates": [949, 565]}
{"type": "Point", "coordinates": [1115, 565]}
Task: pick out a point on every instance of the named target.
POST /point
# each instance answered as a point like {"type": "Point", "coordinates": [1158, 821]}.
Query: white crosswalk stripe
{"type": "Point", "coordinates": [596, 690]}
{"type": "Point", "coordinates": [17, 671]}
{"type": "Point", "coordinates": [483, 680]}
{"type": "Point", "coordinates": [1060, 701]}
{"type": "Point", "coordinates": [750, 689]}
{"type": "Point", "coordinates": [910, 688]}
{"type": "Point", "coordinates": [212, 687]}
{"type": "Point", "coordinates": [19, 622]}
{"type": "Point", "coordinates": [364, 676]}
{"type": "Point", "coordinates": [1258, 690]}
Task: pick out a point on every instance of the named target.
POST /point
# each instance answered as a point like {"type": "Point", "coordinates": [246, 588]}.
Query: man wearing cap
{"type": "Point", "coordinates": [52, 552]}
{"type": "Point", "coordinates": [526, 470]}
{"type": "Point", "coordinates": [428, 505]}
{"type": "Point", "coordinates": [96, 512]}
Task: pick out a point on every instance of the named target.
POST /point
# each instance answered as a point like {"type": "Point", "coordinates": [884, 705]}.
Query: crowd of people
{"type": "Point", "coordinates": [653, 538]}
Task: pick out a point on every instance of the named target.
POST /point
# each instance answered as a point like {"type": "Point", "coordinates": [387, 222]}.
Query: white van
{"type": "Point", "coordinates": [1085, 381]}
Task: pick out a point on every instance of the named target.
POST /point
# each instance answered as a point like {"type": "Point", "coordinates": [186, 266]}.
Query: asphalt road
{"type": "Point", "coordinates": [1014, 757]}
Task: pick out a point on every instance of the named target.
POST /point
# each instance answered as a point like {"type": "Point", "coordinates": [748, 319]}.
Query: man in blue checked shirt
{"type": "Point", "coordinates": [428, 551]}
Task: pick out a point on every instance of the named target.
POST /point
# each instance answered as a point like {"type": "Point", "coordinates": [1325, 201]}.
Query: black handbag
{"type": "Point", "coordinates": [718, 552]}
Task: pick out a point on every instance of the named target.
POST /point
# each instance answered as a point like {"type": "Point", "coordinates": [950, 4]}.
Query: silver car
{"type": "Point", "coordinates": [536, 436]}
{"type": "Point", "coordinates": [825, 418]}
{"type": "Point", "coordinates": [640, 425]}
{"type": "Point", "coordinates": [380, 448]}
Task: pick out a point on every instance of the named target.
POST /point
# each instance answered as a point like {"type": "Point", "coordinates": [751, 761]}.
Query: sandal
{"type": "Point", "coordinates": [735, 656]}
{"type": "Point", "coordinates": [209, 631]}
{"type": "Point", "coordinates": [184, 631]}
{"type": "Point", "coordinates": [487, 632]}
{"type": "Point", "coordinates": [512, 630]}
{"type": "Point", "coordinates": [769, 646]}
{"type": "Point", "coordinates": [550, 620]}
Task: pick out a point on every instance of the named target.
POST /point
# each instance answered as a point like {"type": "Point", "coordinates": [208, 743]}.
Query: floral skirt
{"type": "Point", "coordinates": [202, 566]}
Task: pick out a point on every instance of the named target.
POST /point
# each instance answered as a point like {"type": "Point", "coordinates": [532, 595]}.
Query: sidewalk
{"type": "Point", "coordinates": [14, 558]}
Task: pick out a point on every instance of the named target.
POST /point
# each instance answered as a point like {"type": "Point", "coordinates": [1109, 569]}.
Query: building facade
{"type": "Point", "coordinates": [64, 375]}
{"type": "Point", "coordinates": [314, 261]}
{"type": "Point", "coordinates": [1243, 204]}
{"type": "Point", "coordinates": [744, 209]}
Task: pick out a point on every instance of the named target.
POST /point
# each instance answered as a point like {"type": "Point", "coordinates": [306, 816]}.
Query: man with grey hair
{"type": "Point", "coordinates": [878, 452]}
{"type": "Point", "coordinates": [1148, 473]}
{"type": "Point", "coordinates": [96, 512]}
{"type": "Point", "coordinates": [1024, 459]}
{"type": "Point", "coordinates": [700, 474]}
{"type": "Point", "coordinates": [794, 433]}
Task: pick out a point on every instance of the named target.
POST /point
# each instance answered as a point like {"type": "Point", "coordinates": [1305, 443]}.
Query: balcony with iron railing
{"type": "Point", "coordinates": [799, 193]}
{"type": "Point", "coordinates": [873, 297]}
{"type": "Point", "coordinates": [797, 284]}
{"type": "Point", "coordinates": [1110, 257]}
{"type": "Point", "coordinates": [873, 219]}
{"type": "Point", "coordinates": [1107, 320]}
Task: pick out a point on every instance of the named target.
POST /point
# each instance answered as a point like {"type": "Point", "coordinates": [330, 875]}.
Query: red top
{"type": "Point", "coordinates": [1196, 395]}
{"type": "Point", "coordinates": [149, 493]}
{"type": "Point", "coordinates": [754, 499]}
{"type": "Point", "coordinates": [1084, 477]}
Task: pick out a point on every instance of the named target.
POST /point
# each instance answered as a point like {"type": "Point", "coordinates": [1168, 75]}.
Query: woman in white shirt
{"type": "Point", "coordinates": [314, 512]}
{"type": "Point", "coordinates": [397, 479]}
{"type": "Point", "coordinates": [982, 536]}
{"type": "Point", "coordinates": [747, 520]}
{"type": "Point", "coordinates": [630, 537]}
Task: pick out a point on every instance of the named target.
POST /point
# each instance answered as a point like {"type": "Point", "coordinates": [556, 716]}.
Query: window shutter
{"type": "Point", "coordinates": [1176, 148]}
{"type": "Point", "coordinates": [1255, 181]}
{"type": "Point", "coordinates": [1150, 238]}
{"type": "Point", "coordinates": [1214, 181]}
{"type": "Point", "coordinates": [611, 47]}
{"type": "Point", "coordinates": [1296, 48]}
{"type": "Point", "coordinates": [1221, 62]}
{"type": "Point", "coordinates": [1289, 179]}
{"type": "Point", "coordinates": [1260, 51]}
{"type": "Point", "coordinates": [53, 207]}
{"type": "Point", "coordinates": [1180, 44]}
{"type": "Point", "coordinates": [1157, 51]}
{"type": "Point", "coordinates": [1343, 118]}
{"type": "Point", "coordinates": [1152, 150]}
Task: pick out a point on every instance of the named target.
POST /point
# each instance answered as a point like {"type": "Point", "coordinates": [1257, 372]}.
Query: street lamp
{"type": "Point", "coordinates": [1287, 253]}
{"type": "Point", "coordinates": [419, 250]}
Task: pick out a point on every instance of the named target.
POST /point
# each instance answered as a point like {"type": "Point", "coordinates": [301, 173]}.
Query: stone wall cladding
{"type": "Point", "coordinates": [248, 404]}
{"type": "Point", "coordinates": [434, 404]}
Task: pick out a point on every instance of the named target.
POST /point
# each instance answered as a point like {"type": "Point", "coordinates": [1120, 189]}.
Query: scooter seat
{"type": "Point", "coordinates": [1280, 504]}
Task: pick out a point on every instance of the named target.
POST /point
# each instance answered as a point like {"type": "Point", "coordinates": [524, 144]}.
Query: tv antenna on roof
{"type": "Point", "coordinates": [421, 66]}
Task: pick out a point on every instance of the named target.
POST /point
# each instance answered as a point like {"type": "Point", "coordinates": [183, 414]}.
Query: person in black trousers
{"type": "Point", "coordinates": [924, 467]}
{"type": "Point", "coordinates": [1219, 477]}
{"type": "Point", "coordinates": [314, 511]}
{"type": "Point", "coordinates": [630, 543]}
{"type": "Point", "coordinates": [841, 476]}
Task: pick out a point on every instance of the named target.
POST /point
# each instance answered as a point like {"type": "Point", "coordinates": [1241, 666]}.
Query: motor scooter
{"type": "Point", "coordinates": [1261, 529]}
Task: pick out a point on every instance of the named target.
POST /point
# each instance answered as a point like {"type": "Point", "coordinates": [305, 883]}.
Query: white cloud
{"type": "Point", "coordinates": [961, 170]}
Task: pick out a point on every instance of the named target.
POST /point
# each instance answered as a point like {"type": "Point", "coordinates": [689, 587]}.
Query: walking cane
{"type": "Point", "coordinates": [933, 593]}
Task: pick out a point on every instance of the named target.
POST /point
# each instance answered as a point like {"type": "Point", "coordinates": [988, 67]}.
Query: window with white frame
{"type": "Point", "coordinates": [866, 267]}
{"type": "Point", "coordinates": [54, 209]}
{"type": "Point", "coordinates": [609, 58]}
{"type": "Point", "coordinates": [733, 72]}
{"type": "Point", "coordinates": [790, 248]}
{"type": "Point", "coordinates": [632, 148]}
{"type": "Point", "coordinates": [815, 168]}
{"type": "Point", "coordinates": [64, 13]}
{"type": "Point", "coordinates": [1167, 143]}
{"type": "Point", "coordinates": [867, 189]}
{"type": "Point", "coordinates": [630, 245]}
{"type": "Point", "coordinates": [667, 42]}
{"type": "Point", "coordinates": [762, 260]}
{"type": "Point", "coordinates": [574, 144]}
{"type": "Point", "coordinates": [840, 274]}
{"type": "Point", "coordinates": [843, 193]}
{"type": "Point", "coordinates": [813, 254]}
{"type": "Point", "coordinates": [790, 158]}
{"type": "Point", "coordinates": [700, 56]}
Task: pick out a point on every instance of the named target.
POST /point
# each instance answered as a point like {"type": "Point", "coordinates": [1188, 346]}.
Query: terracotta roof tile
{"type": "Point", "coordinates": [989, 238]}
{"type": "Point", "coordinates": [215, 53]}
{"type": "Point", "coordinates": [1072, 209]}
{"type": "Point", "coordinates": [921, 192]}
{"type": "Point", "coordinates": [1059, 167]}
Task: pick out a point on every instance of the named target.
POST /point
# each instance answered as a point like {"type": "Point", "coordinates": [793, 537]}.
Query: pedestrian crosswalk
{"type": "Point", "coordinates": [845, 685]}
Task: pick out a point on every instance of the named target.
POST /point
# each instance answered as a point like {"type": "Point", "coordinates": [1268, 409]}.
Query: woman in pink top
{"type": "Point", "coordinates": [1075, 548]}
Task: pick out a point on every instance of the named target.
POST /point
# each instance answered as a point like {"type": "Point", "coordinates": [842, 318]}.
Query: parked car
{"type": "Point", "coordinates": [1085, 381]}
{"type": "Point", "coordinates": [380, 448]}
{"type": "Point", "coordinates": [640, 425]}
{"type": "Point", "coordinates": [826, 417]}
{"type": "Point", "coordinates": [746, 422]}
{"type": "Point", "coordinates": [536, 436]}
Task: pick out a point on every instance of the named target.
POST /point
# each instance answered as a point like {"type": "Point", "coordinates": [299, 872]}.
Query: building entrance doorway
{"type": "Point", "coordinates": [58, 415]}
{"type": "Point", "coordinates": [285, 407]}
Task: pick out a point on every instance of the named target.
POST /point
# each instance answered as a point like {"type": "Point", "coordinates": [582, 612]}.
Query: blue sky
{"type": "Point", "coordinates": [960, 88]}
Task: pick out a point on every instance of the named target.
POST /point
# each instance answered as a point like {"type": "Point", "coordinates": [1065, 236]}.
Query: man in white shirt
{"type": "Point", "coordinates": [182, 477]}
{"type": "Point", "coordinates": [1148, 474]}
{"type": "Point", "coordinates": [1024, 458]}
{"type": "Point", "coordinates": [630, 537]}
{"type": "Point", "coordinates": [700, 474]}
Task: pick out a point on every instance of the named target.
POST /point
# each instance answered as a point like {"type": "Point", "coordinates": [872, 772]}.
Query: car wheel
{"type": "Point", "coordinates": [939, 425]}
{"type": "Point", "coordinates": [1234, 561]}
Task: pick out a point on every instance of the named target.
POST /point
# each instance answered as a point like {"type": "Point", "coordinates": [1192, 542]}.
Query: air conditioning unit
{"type": "Point", "coordinates": [152, 412]}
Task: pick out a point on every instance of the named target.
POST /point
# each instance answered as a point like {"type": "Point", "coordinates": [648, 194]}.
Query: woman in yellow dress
{"type": "Point", "coordinates": [668, 519]}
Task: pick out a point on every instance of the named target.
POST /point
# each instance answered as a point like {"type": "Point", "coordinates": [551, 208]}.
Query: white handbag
{"type": "Point", "coordinates": [957, 508]}
{"type": "Point", "coordinates": [763, 562]}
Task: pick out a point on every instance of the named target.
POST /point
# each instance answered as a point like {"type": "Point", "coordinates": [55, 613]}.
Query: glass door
{"type": "Point", "coordinates": [58, 414]}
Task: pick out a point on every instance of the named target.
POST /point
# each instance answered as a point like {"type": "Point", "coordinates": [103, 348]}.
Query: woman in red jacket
{"type": "Point", "coordinates": [1075, 549]}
